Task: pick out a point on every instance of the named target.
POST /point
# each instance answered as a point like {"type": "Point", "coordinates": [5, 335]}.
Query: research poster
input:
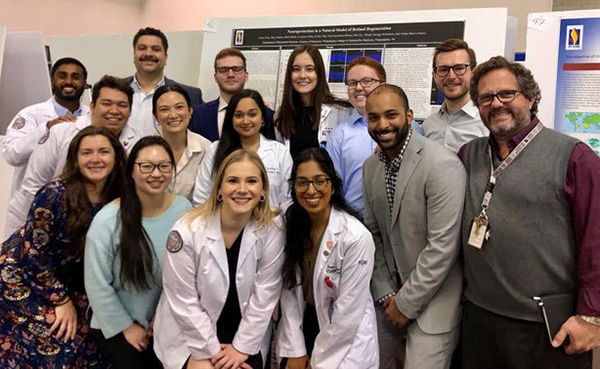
{"type": "Point", "coordinates": [404, 49]}
{"type": "Point", "coordinates": [577, 109]}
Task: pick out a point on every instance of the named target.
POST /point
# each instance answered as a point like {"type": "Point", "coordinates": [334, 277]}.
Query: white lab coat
{"type": "Point", "coordinates": [347, 336]}
{"type": "Point", "coordinates": [23, 134]}
{"type": "Point", "coordinates": [47, 162]}
{"type": "Point", "coordinates": [331, 117]}
{"type": "Point", "coordinates": [195, 286]}
{"type": "Point", "coordinates": [277, 161]}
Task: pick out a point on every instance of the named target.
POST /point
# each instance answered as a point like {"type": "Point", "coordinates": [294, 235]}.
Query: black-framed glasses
{"type": "Point", "coordinates": [504, 96]}
{"type": "Point", "coordinates": [147, 167]}
{"type": "Point", "coordinates": [319, 183]}
{"type": "Point", "coordinates": [459, 69]}
{"type": "Point", "coordinates": [365, 83]}
{"type": "Point", "coordinates": [236, 69]}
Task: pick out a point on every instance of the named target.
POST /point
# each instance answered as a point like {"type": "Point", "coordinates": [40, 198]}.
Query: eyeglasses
{"type": "Point", "coordinates": [365, 83]}
{"type": "Point", "coordinates": [504, 96]}
{"type": "Point", "coordinates": [147, 168]}
{"type": "Point", "coordinates": [459, 69]}
{"type": "Point", "coordinates": [224, 70]}
{"type": "Point", "coordinates": [319, 183]}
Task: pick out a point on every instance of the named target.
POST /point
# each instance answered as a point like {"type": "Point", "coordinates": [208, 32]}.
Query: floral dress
{"type": "Point", "coordinates": [38, 271]}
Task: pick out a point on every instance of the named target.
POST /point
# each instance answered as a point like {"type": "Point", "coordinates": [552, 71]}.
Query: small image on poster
{"type": "Point", "coordinates": [577, 110]}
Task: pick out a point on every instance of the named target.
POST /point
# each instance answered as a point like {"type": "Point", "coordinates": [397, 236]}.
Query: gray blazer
{"type": "Point", "coordinates": [421, 238]}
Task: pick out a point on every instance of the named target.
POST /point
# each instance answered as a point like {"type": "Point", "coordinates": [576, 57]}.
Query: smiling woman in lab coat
{"type": "Point", "coordinates": [328, 317]}
{"type": "Point", "coordinates": [222, 274]}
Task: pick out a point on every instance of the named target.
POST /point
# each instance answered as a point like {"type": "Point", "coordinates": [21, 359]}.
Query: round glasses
{"type": "Point", "coordinates": [504, 96]}
{"type": "Point", "coordinates": [459, 69]}
{"type": "Point", "coordinates": [319, 183]}
{"type": "Point", "coordinates": [147, 168]}
{"type": "Point", "coordinates": [365, 83]}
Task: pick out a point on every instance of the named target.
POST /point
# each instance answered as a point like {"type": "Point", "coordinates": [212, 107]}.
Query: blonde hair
{"type": "Point", "coordinates": [262, 213]}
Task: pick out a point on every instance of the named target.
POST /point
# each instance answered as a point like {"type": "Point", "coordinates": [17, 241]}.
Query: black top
{"type": "Point", "coordinates": [305, 136]}
{"type": "Point", "coordinates": [231, 316]}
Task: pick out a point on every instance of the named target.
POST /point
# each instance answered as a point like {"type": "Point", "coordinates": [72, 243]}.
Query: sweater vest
{"type": "Point", "coordinates": [531, 250]}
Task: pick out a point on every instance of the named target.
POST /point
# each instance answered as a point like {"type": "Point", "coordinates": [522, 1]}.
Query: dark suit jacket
{"type": "Point", "coordinates": [204, 121]}
{"type": "Point", "coordinates": [194, 92]}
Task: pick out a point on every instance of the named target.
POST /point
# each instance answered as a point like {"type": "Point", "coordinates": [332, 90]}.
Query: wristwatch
{"type": "Point", "coordinates": [595, 320]}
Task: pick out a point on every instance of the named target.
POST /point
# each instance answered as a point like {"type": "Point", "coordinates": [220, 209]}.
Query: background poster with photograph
{"type": "Point", "coordinates": [404, 49]}
{"type": "Point", "coordinates": [577, 107]}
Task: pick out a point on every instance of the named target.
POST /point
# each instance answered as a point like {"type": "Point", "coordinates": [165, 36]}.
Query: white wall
{"type": "Point", "coordinates": [120, 16]}
{"type": "Point", "coordinates": [113, 54]}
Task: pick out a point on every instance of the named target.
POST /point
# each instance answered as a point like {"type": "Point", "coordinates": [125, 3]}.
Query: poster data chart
{"type": "Point", "coordinates": [404, 49]}
{"type": "Point", "coordinates": [577, 110]}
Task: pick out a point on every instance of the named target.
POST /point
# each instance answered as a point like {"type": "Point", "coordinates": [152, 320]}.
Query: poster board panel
{"type": "Point", "coordinates": [24, 79]}
{"type": "Point", "coordinates": [563, 53]}
{"type": "Point", "coordinates": [267, 77]}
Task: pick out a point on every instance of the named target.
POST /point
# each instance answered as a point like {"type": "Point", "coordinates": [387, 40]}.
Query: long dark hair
{"type": "Point", "coordinates": [135, 248]}
{"type": "Point", "coordinates": [79, 206]}
{"type": "Point", "coordinates": [230, 139]}
{"type": "Point", "coordinates": [298, 226]}
{"type": "Point", "coordinates": [291, 106]}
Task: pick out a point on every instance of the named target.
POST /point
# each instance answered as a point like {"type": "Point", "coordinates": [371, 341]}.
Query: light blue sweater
{"type": "Point", "coordinates": [115, 307]}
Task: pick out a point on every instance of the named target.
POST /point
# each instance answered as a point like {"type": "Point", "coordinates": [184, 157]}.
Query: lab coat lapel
{"type": "Point", "coordinates": [249, 239]}
{"type": "Point", "coordinates": [328, 245]}
{"type": "Point", "coordinates": [410, 162]}
{"type": "Point", "coordinates": [216, 244]}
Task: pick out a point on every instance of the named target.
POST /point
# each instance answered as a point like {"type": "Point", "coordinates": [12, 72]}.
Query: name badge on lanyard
{"type": "Point", "coordinates": [480, 227]}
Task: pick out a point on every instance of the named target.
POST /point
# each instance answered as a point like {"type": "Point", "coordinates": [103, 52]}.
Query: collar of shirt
{"type": "Point", "coordinates": [61, 110]}
{"type": "Point", "coordinates": [138, 89]}
{"type": "Point", "coordinates": [395, 164]}
{"type": "Point", "coordinates": [194, 143]}
{"type": "Point", "coordinates": [222, 104]}
{"type": "Point", "coordinates": [516, 139]}
{"type": "Point", "coordinates": [469, 108]}
{"type": "Point", "coordinates": [356, 118]}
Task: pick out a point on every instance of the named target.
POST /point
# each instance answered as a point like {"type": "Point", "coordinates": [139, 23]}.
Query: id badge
{"type": "Point", "coordinates": [478, 230]}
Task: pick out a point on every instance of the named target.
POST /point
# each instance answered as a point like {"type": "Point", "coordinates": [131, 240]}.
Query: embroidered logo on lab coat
{"type": "Point", "coordinates": [19, 123]}
{"type": "Point", "coordinates": [174, 242]}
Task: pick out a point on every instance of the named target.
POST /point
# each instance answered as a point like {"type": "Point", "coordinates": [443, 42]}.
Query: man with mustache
{"type": "Point", "coordinates": [32, 124]}
{"type": "Point", "coordinates": [231, 75]}
{"type": "Point", "coordinates": [110, 108]}
{"type": "Point", "coordinates": [150, 47]}
{"type": "Point", "coordinates": [457, 122]}
{"type": "Point", "coordinates": [530, 228]}
{"type": "Point", "coordinates": [413, 192]}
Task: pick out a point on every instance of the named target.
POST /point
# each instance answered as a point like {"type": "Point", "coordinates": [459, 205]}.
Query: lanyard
{"type": "Point", "coordinates": [485, 204]}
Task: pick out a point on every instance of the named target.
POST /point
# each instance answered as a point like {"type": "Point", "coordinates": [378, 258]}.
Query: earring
{"type": "Point", "coordinates": [262, 124]}
{"type": "Point", "coordinates": [262, 198]}
{"type": "Point", "coordinates": [219, 197]}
